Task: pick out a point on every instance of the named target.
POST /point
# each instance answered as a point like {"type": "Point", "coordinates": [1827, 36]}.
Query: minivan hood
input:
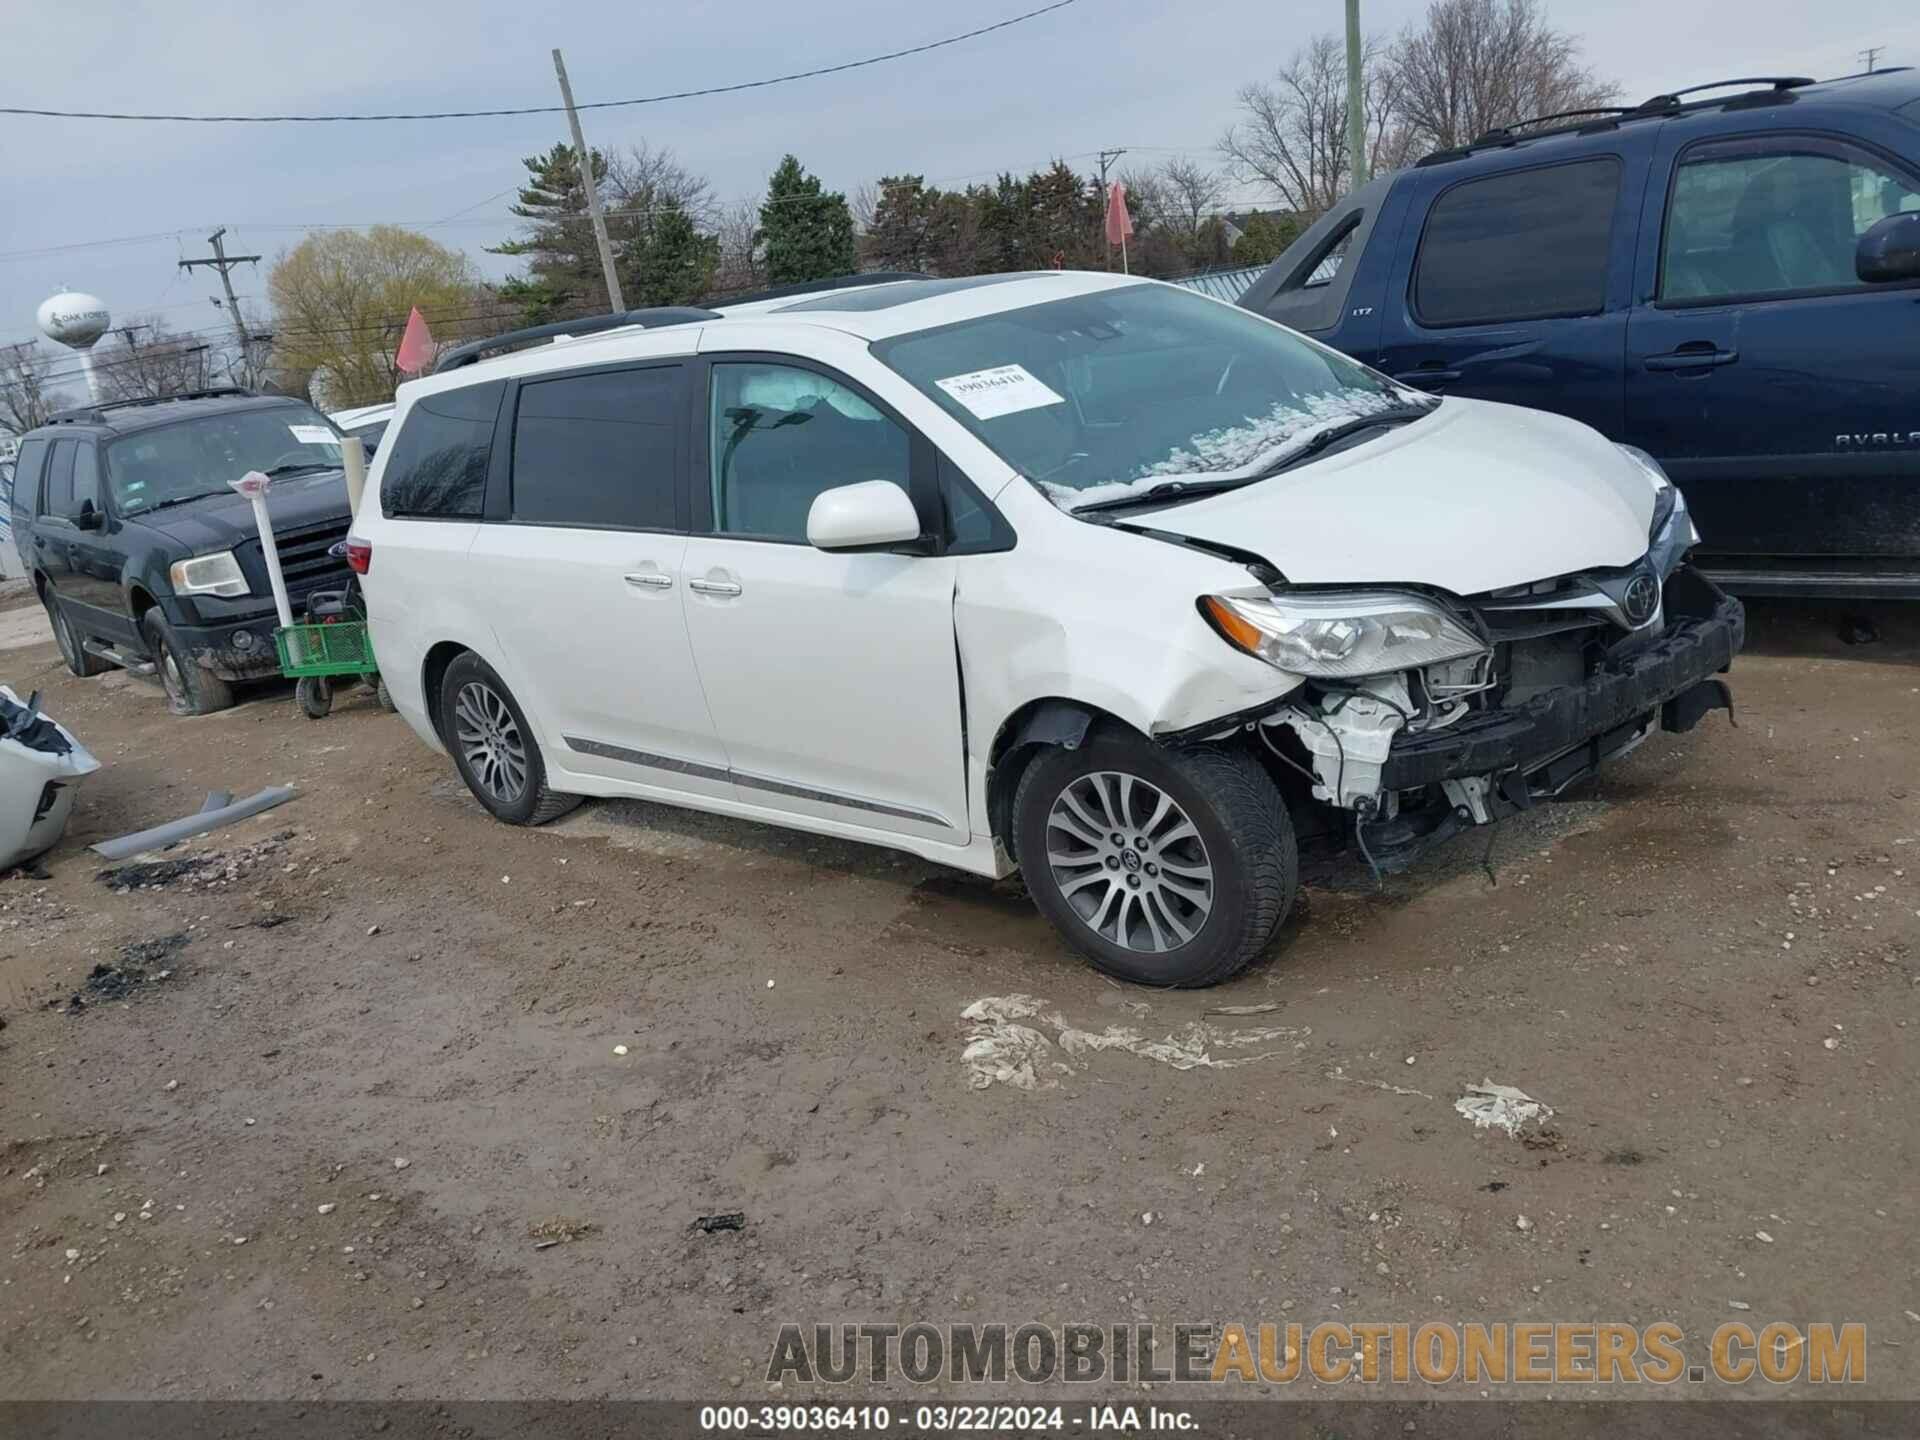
{"type": "Point", "coordinates": [1475, 497]}
{"type": "Point", "coordinates": [222, 521]}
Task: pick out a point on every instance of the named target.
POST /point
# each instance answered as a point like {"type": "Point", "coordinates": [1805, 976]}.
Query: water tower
{"type": "Point", "coordinates": [76, 320]}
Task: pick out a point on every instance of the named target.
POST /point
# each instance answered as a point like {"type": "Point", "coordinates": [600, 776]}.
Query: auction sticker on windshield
{"type": "Point", "coordinates": [1003, 390]}
{"type": "Point", "coordinates": [314, 435]}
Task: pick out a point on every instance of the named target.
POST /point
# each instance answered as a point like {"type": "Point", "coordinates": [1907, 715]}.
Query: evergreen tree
{"type": "Point", "coordinates": [808, 232]}
{"type": "Point", "coordinates": [563, 271]}
{"type": "Point", "coordinates": [669, 262]}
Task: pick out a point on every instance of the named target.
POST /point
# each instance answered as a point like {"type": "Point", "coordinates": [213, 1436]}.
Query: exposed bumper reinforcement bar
{"type": "Point", "coordinates": [1573, 728]}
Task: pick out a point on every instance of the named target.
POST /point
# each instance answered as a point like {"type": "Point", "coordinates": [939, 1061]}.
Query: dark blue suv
{"type": "Point", "coordinates": [1730, 283]}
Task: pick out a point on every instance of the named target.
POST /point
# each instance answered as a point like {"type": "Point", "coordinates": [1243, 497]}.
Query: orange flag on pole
{"type": "Point", "coordinates": [1119, 222]}
{"type": "Point", "coordinates": [416, 346]}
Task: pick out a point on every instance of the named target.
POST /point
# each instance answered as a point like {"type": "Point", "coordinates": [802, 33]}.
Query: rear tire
{"type": "Point", "coordinates": [78, 660]}
{"type": "Point", "coordinates": [191, 690]}
{"type": "Point", "coordinates": [493, 745]}
{"type": "Point", "coordinates": [1202, 873]}
{"type": "Point", "coordinates": [384, 696]}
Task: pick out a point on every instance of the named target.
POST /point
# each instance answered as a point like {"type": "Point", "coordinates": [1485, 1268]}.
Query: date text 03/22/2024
{"type": "Point", "coordinates": [947, 1419]}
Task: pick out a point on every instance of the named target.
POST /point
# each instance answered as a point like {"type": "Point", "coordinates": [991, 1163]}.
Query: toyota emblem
{"type": "Point", "coordinates": [1642, 598]}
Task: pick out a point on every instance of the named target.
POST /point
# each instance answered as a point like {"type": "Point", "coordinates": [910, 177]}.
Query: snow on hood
{"type": "Point", "coordinates": [1475, 497]}
{"type": "Point", "coordinates": [1241, 449]}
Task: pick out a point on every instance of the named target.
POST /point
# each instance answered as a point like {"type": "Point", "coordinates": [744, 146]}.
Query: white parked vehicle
{"type": "Point", "coordinates": [40, 764]}
{"type": "Point", "coordinates": [1083, 575]}
{"type": "Point", "coordinates": [369, 422]}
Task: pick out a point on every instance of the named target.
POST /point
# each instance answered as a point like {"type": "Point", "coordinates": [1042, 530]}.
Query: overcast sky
{"type": "Point", "coordinates": [1138, 73]}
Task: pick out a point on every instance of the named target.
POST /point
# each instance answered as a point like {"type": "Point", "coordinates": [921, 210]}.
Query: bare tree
{"type": "Point", "coordinates": [741, 265]}
{"type": "Point", "coordinates": [143, 359]}
{"type": "Point", "coordinates": [1180, 196]}
{"type": "Point", "coordinates": [1292, 137]}
{"type": "Point", "coordinates": [641, 180]}
{"type": "Point", "coordinates": [1476, 65]}
{"type": "Point", "coordinates": [28, 392]}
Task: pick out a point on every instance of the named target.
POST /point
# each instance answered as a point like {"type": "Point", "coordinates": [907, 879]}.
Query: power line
{"type": "Point", "coordinates": [555, 109]}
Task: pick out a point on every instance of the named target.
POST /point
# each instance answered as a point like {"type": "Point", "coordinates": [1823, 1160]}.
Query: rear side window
{"type": "Point", "coordinates": [438, 467]}
{"type": "Point", "coordinates": [1527, 245]}
{"type": "Point", "coordinates": [26, 473]}
{"type": "Point", "coordinates": [58, 497]}
{"type": "Point", "coordinates": [598, 450]}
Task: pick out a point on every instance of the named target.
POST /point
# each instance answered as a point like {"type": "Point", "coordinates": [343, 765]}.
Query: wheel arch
{"type": "Point", "coordinates": [433, 669]}
{"type": "Point", "coordinates": [1049, 721]}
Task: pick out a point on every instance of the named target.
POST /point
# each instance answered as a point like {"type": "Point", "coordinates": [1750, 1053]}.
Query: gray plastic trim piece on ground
{"type": "Point", "coordinates": [216, 800]}
{"type": "Point", "coordinates": [190, 825]}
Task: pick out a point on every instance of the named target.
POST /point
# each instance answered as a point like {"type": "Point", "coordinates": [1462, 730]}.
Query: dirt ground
{"type": "Point", "coordinates": [324, 1156]}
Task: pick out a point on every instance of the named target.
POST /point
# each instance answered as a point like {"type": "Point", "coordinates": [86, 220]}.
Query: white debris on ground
{"type": "Point", "coordinates": [1501, 1107]}
{"type": "Point", "coordinates": [1002, 1050]}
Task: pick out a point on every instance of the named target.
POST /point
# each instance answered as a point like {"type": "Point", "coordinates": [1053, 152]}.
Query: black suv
{"type": "Point", "coordinates": [146, 558]}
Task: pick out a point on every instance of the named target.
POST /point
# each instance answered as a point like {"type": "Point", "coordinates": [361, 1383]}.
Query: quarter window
{"type": "Point", "coordinates": [438, 468]}
{"type": "Point", "coordinates": [780, 435]}
{"type": "Point", "coordinates": [1525, 245]}
{"type": "Point", "coordinates": [1754, 218]}
{"type": "Point", "coordinates": [26, 474]}
{"type": "Point", "coordinates": [597, 450]}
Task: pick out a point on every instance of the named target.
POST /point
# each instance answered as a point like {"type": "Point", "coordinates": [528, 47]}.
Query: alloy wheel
{"type": "Point", "coordinates": [490, 741]}
{"type": "Point", "coordinates": [1129, 861]}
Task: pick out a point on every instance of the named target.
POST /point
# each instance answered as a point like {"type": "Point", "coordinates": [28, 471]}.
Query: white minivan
{"type": "Point", "coordinates": [1081, 575]}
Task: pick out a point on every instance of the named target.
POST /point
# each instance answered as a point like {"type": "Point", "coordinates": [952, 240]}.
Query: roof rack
{"type": "Point", "coordinates": [1608, 117]}
{"type": "Point", "coordinates": [654, 318]}
{"type": "Point", "coordinates": [1507, 134]}
{"type": "Point", "coordinates": [1671, 98]}
{"type": "Point", "coordinates": [96, 413]}
{"type": "Point", "coordinates": [816, 287]}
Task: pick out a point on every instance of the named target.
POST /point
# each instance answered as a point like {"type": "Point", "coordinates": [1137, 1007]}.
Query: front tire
{"type": "Point", "coordinates": [1164, 867]}
{"type": "Point", "coordinates": [191, 690]}
{"type": "Point", "coordinates": [79, 661]}
{"type": "Point", "coordinates": [493, 745]}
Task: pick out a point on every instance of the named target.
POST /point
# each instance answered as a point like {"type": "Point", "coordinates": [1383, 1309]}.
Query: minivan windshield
{"type": "Point", "coordinates": [193, 458]}
{"type": "Point", "coordinates": [1142, 391]}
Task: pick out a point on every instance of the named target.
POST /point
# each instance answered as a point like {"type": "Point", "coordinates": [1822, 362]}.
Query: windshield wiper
{"type": "Point", "coordinates": [299, 469]}
{"type": "Point", "coordinates": [1317, 443]}
{"type": "Point", "coordinates": [1165, 490]}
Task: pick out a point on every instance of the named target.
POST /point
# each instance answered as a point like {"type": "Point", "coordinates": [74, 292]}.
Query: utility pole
{"type": "Point", "coordinates": [224, 263]}
{"type": "Point", "coordinates": [1356, 101]}
{"type": "Point", "coordinates": [1872, 55]}
{"type": "Point", "coordinates": [1107, 157]}
{"type": "Point", "coordinates": [588, 182]}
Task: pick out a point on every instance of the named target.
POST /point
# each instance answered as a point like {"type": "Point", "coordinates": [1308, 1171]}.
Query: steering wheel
{"type": "Point", "coordinates": [1077, 457]}
{"type": "Point", "coordinates": [290, 457]}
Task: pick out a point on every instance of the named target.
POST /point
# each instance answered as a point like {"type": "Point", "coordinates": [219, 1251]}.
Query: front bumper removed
{"type": "Point", "coordinates": [1555, 737]}
{"type": "Point", "coordinates": [1498, 762]}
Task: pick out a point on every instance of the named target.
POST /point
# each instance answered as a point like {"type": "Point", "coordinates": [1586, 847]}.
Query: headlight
{"type": "Point", "coordinates": [1671, 533]}
{"type": "Point", "coordinates": [1341, 634]}
{"type": "Point", "coordinates": [209, 575]}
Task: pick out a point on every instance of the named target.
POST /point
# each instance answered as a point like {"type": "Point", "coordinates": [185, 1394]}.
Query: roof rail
{"type": "Point", "coordinates": [1606, 118]}
{"type": "Point", "coordinates": [1507, 134]}
{"type": "Point", "coordinates": [1671, 98]}
{"type": "Point", "coordinates": [654, 318]}
{"type": "Point", "coordinates": [816, 287]}
{"type": "Point", "coordinates": [96, 413]}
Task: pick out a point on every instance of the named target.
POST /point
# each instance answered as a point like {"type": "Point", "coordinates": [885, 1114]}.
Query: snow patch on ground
{"type": "Point", "coordinates": [1002, 1049]}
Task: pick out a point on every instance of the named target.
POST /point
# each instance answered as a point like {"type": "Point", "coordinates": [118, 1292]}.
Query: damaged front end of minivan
{"type": "Point", "coordinates": [1424, 714]}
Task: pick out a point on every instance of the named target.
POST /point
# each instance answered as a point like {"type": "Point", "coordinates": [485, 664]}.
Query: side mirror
{"type": "Point", "coordinates": [1890, 250]}
{"type": "Point", "coordinates": [873, 515]}
{"type": "Point", "coordinates": [89, 518]}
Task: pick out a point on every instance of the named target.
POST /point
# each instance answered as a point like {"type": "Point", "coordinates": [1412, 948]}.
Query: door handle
{"type": "Point", "coordinates": [1425, 376]}
{"type": "Point", "coordinates": [714, 587]}
{"type": "Point", "coordinates": [1700, 355]}
{"type": "Point", "coordinates": [652, 579]}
